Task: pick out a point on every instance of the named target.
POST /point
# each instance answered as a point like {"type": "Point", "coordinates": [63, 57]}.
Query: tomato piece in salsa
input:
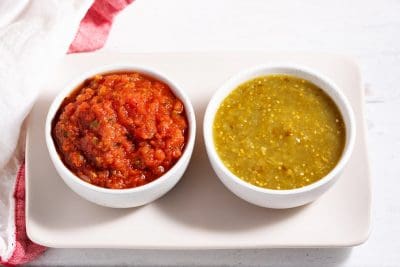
{"type": "Point", "coordinates": [120, 130]}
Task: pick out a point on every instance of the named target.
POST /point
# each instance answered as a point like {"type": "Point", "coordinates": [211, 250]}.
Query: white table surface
{"type": "Point", "coordinates": [367, 30]}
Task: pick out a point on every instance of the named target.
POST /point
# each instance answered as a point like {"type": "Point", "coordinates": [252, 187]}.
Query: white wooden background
{"type": "Point", "coordinates": [365, 29]}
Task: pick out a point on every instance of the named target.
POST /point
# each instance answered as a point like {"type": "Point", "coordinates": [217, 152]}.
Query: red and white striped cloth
{"type": "Point", "coordinates": [34, 35]}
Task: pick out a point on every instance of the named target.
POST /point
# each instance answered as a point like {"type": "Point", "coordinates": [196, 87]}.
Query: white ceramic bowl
{"type": "Point", "coordinates": [123, 198]}
{"type": "Point", "coordinates": [268, 197]}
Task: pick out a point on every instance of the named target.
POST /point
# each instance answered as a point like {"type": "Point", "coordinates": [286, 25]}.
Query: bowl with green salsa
{"type": "Point", "coordinates": [279, 136]}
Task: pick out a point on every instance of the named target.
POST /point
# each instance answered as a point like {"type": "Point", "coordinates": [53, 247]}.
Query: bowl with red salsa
{"type": "Point", "coordinates": [121, 136]}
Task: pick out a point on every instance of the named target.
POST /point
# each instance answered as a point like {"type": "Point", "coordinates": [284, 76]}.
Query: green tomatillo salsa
{"type": "Point", "coordinates": [279, 132]}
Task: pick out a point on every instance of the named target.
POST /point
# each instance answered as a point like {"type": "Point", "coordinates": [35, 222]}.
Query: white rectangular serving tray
{"type": "Point", "coordinates": [199, 213]}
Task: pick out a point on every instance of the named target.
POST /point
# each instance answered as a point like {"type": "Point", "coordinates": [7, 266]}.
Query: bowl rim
{"type": "Point", "coordinates": [115, 68]}
{"type": "Point", "coordinates": [294, 70]}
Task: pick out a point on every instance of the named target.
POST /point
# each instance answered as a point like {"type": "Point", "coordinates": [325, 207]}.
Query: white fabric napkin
{"type": "Point", "coordinates": [34, 35]}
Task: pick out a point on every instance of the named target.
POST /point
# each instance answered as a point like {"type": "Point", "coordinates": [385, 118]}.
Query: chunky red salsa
{"type": "Point", "coordinates": [120, 130]}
